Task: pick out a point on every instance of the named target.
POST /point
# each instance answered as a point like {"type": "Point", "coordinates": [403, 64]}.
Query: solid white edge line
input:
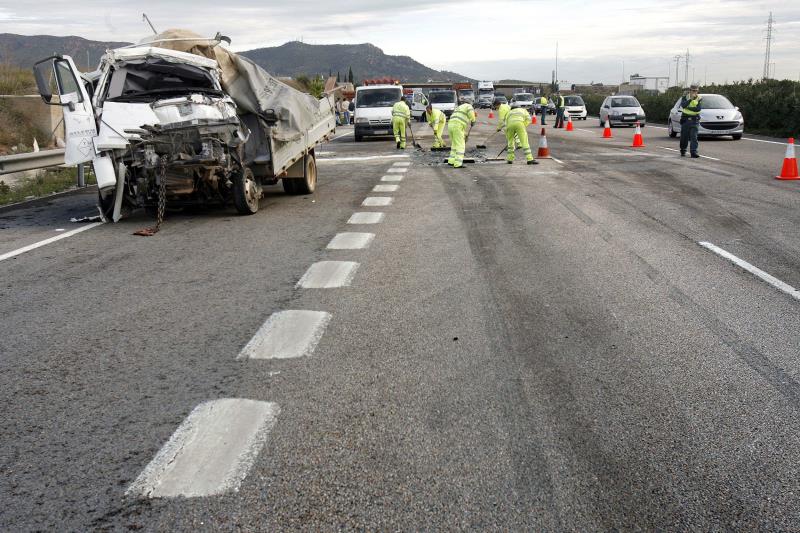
{"type": "Point", "coordinates": [342, 135]}
{"type": "Point", "coordinates": [560, 162]}
{"type": "Point", "coordinates": [772, 280]}
{"type": "Point", "coordinates": [19, 251]}
{"type": "Point", "coordinates": [702, 156]}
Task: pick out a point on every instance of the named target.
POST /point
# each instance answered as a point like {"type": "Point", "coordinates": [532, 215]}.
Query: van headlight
{"type": "Point", "coordinates": [362, 120]}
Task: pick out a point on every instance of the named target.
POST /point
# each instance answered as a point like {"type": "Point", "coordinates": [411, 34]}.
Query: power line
{"type": "Point", "coordinates": [769, 38]}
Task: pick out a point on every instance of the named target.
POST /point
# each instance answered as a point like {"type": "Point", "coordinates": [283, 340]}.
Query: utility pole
{"type": "Point", "coordinates": [770, 21]}
{"type": "Point", "coordinates": [556, 72]}
{"type": "Point", "coordinates": [677, 60]}
{"type": "Point", "coordinates": [686, 66]}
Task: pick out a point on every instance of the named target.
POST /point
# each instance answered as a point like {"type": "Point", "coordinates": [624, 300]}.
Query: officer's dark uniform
{"type": "Point", "coordinates": [690, 120]}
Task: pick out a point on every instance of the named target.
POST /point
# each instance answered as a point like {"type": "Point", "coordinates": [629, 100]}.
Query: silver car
{"type": "Point", "coordinates": [718, 116]}
{"type": "Point", "coordinates": [622, 111]}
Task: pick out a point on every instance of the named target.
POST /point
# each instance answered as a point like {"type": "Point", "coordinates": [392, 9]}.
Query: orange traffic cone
{"type": "Point", "coordinates": [638, 140]}
{"type": "Point", "coordinates": [544, 151]}
{"type": "Point", "coordinates": [533, 120]}
{"type": "Point", "coordinates": [570, 127]}
{"type": "Point", "coordinates": [789, 170]}
{"type": "Point", "coordinates": [491, 114]}
{"type": "Point", "coordinates": [607, 131]}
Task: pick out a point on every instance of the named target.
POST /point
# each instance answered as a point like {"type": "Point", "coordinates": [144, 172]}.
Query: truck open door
{"type": "Point", "coordinates": [58, 76]}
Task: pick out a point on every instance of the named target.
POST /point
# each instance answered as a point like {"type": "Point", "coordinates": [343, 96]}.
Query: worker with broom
{"type": "Point", "coordinates": [437, 121]}
{"type": "Point", "coordinates": [458, 128]}
{"type": "Point", "coordinates": [502, 112]}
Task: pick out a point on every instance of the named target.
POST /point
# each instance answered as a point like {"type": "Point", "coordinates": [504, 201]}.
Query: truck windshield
{"type": "Point", "coordinates": [377, 97]}
{"type": "Point", "coordinates": [152, 79]}
{"type": "Point", "coordinates": [442, 97]}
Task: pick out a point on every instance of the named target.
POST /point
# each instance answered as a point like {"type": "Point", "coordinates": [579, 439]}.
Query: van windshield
{"type": "Point", "coordinates": [442, 97]}
{"type": "Point", "coordinates": [377, 97]}
{"type": "Point", "coordinates": [523, 97]}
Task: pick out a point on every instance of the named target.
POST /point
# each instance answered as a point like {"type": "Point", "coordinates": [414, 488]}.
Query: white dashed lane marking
{"type": "Point", "coordinates": [402, 164]}
{"type": "Point", "coordinates": [366, 218]}
{"type": "Point", "coordinates": [287, 334]}
{"type": "Point", "coordinates": [45, 242]}
{"type": "Point", "coordinates": [328, 275]}
{"type": "Point", "coordinates": [385, 188]}
{"type": "Point", "coordinates": [775, 282]}
{"type": "Point", "coordinates": [211, 451]}
{"type": "Point", "coordinates": [392, 178]}
{"type": "Point", "coordinates": [350, 241]}
{"type": "Point", "coordinates": [399, 170]}
{"type": "Point", "coordinates": [377, 201]}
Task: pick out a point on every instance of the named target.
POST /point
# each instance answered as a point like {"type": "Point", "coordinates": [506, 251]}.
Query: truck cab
{"type": "Point", "coordinates": [373, 114]}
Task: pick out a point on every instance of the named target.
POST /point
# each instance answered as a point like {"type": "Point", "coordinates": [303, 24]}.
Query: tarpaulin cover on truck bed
{"type": "Point", "coordinates": [252, 88]}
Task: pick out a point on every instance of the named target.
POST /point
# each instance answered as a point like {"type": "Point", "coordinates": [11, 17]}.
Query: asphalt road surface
{"type": "Point", "coordinates": [502, 347]}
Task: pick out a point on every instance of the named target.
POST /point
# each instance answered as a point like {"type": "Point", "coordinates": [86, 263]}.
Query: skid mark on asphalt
{"type": "Point", "coordinates": [211, 452]}
{"type": "Point", "coordinates": [287, 334]}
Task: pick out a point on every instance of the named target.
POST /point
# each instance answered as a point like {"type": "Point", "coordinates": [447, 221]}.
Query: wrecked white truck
{"type": "Point", "coordinates": [180, 121]}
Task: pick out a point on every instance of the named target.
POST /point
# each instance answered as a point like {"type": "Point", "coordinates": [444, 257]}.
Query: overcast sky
{"type": "Point", "coordinates": [598, 41]}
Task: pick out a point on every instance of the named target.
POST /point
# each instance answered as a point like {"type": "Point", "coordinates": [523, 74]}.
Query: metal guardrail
{"type": "Point", "coordinates": [31, 161]}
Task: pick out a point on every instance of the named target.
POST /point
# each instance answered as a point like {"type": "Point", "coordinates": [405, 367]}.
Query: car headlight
{"type": "Point", "coordinates": [362, 120]}
{"type": "Point", "coordinates": [738, 116]}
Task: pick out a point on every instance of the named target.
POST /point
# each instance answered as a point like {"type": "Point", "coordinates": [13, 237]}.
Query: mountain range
{"type": "Point", "coordinates": [290, 59]}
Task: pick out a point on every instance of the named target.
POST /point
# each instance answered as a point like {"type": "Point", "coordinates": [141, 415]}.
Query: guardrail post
{"type": "Point", "coordinates": [81, 176]}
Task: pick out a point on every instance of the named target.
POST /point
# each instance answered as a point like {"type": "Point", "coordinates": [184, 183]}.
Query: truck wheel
{"type": "Point", "coordinates": [245, 193]}
{"type": "Point", "coordinates": [308, 183]}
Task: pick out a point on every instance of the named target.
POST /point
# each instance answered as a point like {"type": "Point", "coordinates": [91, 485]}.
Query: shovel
{"type": "Point", "coordinates": [413, 142]}
{"type": "Point", "coordinates": [497, 157]}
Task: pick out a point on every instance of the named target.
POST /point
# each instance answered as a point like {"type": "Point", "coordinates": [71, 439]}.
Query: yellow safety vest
{"type": "Point", "coordinates": [543, 100]}
{"type": "Point", "coordinates": [435, 117]}
{"type": "Point", "coordinates": [693, 108]}
{"type": "Point", "coordinates": [519, 114]}
{"type": "Point", "coordinates": [464, 114]}
{"type": "Point", "coordinates": [400, 109]}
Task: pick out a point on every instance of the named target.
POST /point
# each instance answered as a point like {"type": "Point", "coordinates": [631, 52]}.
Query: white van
{"type": "Point", "coordinates": [445, 100]}
{"type": "Point", "coordinates": [373, 114]}
{"type": "Point", "coordinates": [418, 103]}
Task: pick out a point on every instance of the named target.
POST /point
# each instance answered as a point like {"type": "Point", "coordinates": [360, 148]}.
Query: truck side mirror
{"type": "Point", "coordinates": [54, 74]}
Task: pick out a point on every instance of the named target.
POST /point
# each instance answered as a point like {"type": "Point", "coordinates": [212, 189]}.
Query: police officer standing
{"type": "Point", "coordinates": [560, 108]}
{"type": "Point", "coordinates": [691, 104]}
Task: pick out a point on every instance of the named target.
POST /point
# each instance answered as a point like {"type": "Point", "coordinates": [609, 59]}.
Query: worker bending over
{"type": "Point", "coordinates": [437, 121]}
{"type": "Point", "coordinates": [401, 117]}
{"type": "Point", "coordinates": [502, 113]}
{"type": "Point", "coordinates": [462, 118]}
{"type": "Point", "coordinates": [517, 121]}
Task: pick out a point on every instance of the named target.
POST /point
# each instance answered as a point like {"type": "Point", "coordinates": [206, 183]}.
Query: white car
{"type": "Point", "coordinates": [576, 107]}
{"type": "Point", "coordinates": [524, 100]}
{"type": "Point", "coordinates": [622, 111]}
{"type": "Point", "coordinates": [718, 116]}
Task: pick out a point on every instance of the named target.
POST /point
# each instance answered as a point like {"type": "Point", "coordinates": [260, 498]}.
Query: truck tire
{"type": "Point", "coordinates": [245, 193]}
{"type": "Point", "coordinates": [308, 183]}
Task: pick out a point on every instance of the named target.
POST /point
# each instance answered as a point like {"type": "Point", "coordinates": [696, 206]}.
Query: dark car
{"type": "Point", "coordinates": [500, 100]}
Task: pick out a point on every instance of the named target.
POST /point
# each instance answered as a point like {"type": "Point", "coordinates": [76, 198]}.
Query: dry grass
{"type": "Point", "coordinates": [15, 80]}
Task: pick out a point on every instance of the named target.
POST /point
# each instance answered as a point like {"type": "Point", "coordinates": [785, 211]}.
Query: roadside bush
{"type": "Point", "coordinates": [15, 80]}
